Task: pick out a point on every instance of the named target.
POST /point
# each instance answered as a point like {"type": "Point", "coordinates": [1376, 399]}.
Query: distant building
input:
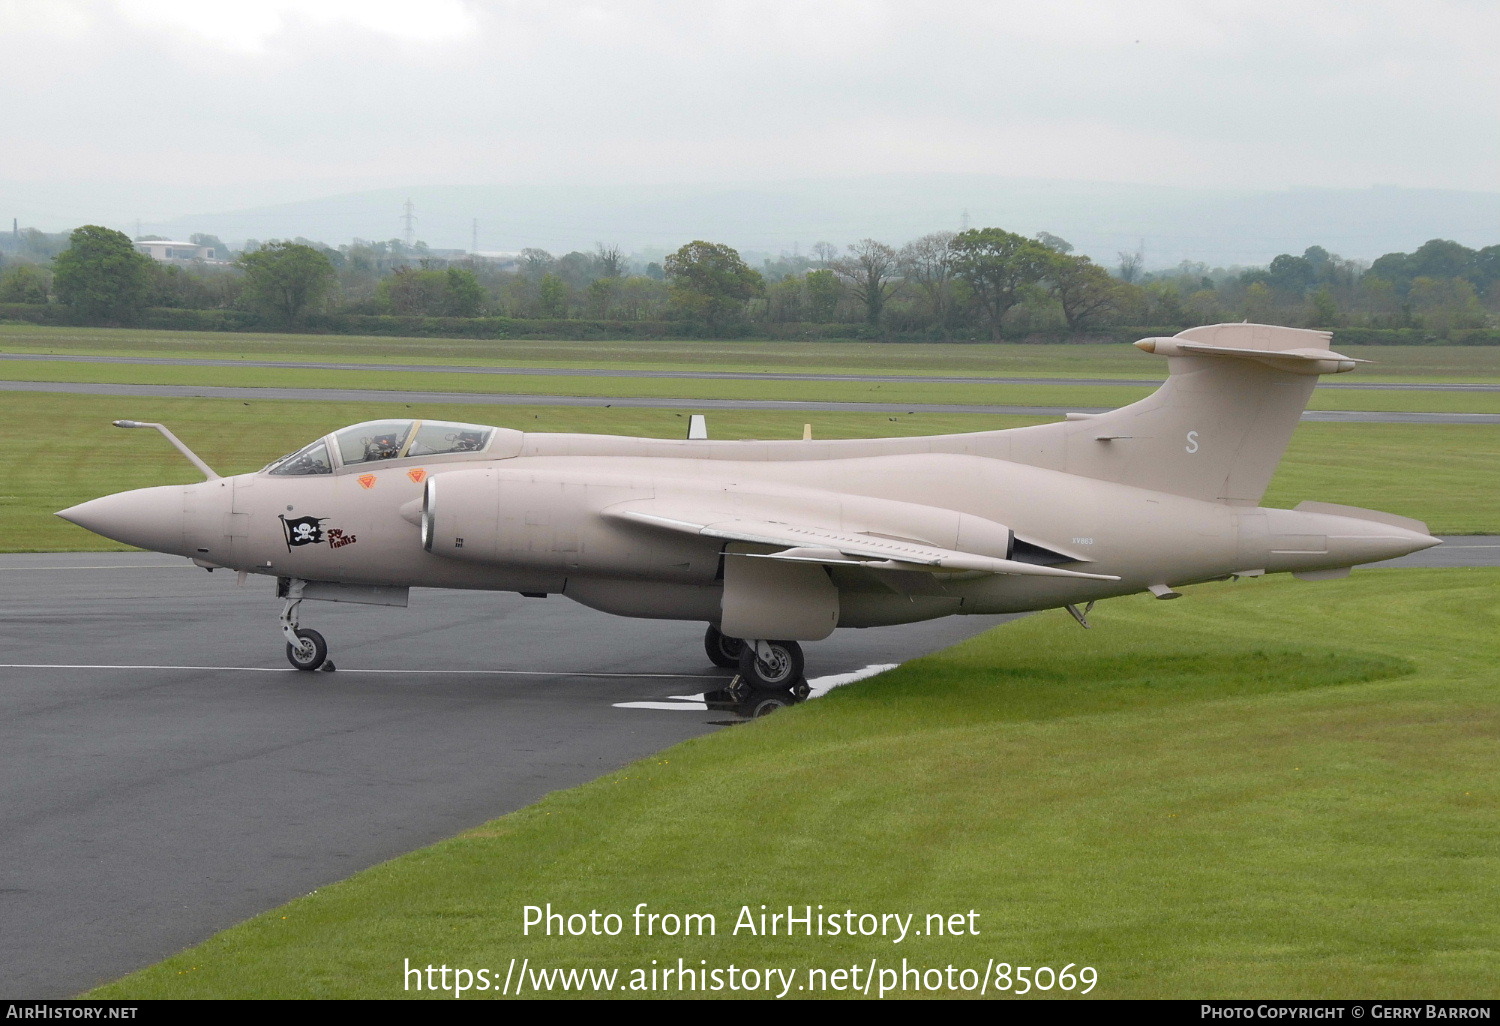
{"type": "Point", "coordinates": [500, 261]}
{"type": "Point", "coordinates": [180, 252]}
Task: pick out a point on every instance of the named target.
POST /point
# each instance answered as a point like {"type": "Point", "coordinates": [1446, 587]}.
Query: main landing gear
{"type": "Point", "coordinates": [305, 648]}
{"type": "Point", "coordinates": [764, 665]}
{"type": "Point", "coordinates": [722, 649]}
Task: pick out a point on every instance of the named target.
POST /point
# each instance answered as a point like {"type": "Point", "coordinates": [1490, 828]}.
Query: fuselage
{"type": "Point", "coordinates": [533, 516]}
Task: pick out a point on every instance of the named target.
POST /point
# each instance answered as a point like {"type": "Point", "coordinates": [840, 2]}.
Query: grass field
{"type": "Point", "coordinates": [64, 452]}
{"type": "Point", "coordinates": [1391, 363]}
{"type": "Point", "coordinates": [1270, 789]}
{"type": "Point", "coordinates": [1076, 396]}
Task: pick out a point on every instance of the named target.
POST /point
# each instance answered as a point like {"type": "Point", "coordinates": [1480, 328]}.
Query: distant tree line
{"type": "Point", "coordinates": [983, 283]}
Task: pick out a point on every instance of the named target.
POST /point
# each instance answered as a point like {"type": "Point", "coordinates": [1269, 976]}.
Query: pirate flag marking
{"type": "Point", "coordinates": [302, 531]}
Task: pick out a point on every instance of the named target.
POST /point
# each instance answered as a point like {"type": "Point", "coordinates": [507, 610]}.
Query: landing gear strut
{"type": "Point", "coordinates": [305, 648]}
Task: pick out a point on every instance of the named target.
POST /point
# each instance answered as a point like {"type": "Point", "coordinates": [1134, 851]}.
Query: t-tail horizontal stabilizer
{"type": "Point", "coordinates": [1305, 360]}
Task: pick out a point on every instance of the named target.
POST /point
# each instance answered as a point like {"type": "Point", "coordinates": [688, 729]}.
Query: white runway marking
{"type": "Point", "coordinates": [822, 685]}
{"type": "Point", "coordinates": [108, 566]}
{"type": "Point", "coordinates": [819, 686]}
{"type": "Point", "coordinates": [288, 669]}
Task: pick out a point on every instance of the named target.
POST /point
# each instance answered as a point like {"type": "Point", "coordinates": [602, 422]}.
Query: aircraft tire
{"type": "Point", "coordinates": [785, 670]}
{"type": "Point", "coordinates": [722, 649]}
{"type": "Point", "coordinates": [771, 703]}
{"type": "Point", "coordinates": [305, 660]}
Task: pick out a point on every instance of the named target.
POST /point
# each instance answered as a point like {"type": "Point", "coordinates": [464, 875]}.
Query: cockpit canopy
{"type": "Point", "coordinates": [377, 440]}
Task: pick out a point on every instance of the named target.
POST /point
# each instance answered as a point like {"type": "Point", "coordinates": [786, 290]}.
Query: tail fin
{"type": "Point", "coordinates": [1216, 428]}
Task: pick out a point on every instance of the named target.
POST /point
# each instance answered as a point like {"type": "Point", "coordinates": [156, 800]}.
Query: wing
{"type": "Point", "coordinates": [811, 543]}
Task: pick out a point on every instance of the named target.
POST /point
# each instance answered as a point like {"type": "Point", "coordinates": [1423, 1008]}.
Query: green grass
{"type": "Point", "coordinates": [63, 452]}
{"type": "Point", "coordinates": [951, 393]}
{"type": "Point", "coordinates": [1392, 363]}
{"type": "Point", "coordinates": [1269, 789]}
{"type": "Point", "coordinates": [1444, 474]}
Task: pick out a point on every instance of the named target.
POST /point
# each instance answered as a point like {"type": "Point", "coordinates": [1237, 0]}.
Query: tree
{"type": "Point", "coordinates": [1054, 242]}
{"type": "Point", "coordinates": [869, 271]}
{"type": "Point", "coordinates": [24, 283]}
{"type": "Point", "coordinates": [1291, 276]}
{"type": "Point", "coordinates": [825, 253]}
{"type": "Point", "coordinates": [577, 269]}
{"type": "Point", "coordinates": [101, 275]}
{"type": "Point", "coordinates": [284, 280]}
{"type": "Point", "coordinates": [823, 292]}
{"type": "Point", "coordinates": [412, 293]}
{"type": "Point", "coordinates": [642, 297]}
{"type": "Point", "coordinates": [1322, 309]}
{"type": "Point", "coordinates": [552, 296]}
{"type": "Point", "coordinates": [601, 295]}
{"type": "Point", "coordinates": [1084, 289]}
{"type": "Point", "coordinates": [1258, 302]}
{"type": "Point", "coordinates": [535, 262]}
{"type": "Point", "coordinates": [464, 295]}
{"type": "Point", "coordinates": [1446, 303]}
{"type": "Point", "coordinates": [928, 264]}
{"type": "Point", "coordinates": [611, 261]}
{"type": "Point", "coordinates": [997, 265]}
{"type": "Point", "coordinates": [786, 301]}
{"type": "Point", "coordinates": [711, 282]}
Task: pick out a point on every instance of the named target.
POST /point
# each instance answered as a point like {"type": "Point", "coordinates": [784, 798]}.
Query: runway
{"type": "Point", "coordinates": [502, 399]}
{"type": "Point", "coordinates": [168, 775]}
{"type": "Point", "coordinates": [585, 372]}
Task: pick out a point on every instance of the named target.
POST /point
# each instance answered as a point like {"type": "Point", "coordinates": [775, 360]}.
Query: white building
{"type": "Point", "coordinates": [180, 252]}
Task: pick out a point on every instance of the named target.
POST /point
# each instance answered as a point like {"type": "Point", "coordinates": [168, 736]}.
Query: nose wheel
{"type": "Point", "coordinates": [310, 652]}
{"type": "Point", "coordinates": [305, 648]}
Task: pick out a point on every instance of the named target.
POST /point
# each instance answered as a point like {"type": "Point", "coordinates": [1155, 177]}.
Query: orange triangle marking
{"type": "Point", "coordinates": [366, 480]}
{"type": "Point", "coordinates": [417, 474]}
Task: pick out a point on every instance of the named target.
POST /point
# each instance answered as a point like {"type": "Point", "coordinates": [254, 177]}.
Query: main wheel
{"type": "Point", "coordinates": [783, 670]}
{"type": "Point", "coordinates": [311, 653]}
{"type": "Point", "coordinates": [722, 649]}
{"type": "Point", "coordinates": [765, 706]}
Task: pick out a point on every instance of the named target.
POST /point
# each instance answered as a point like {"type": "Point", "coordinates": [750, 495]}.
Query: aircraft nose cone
{"type": "Point", "coordinates": [148, 518]}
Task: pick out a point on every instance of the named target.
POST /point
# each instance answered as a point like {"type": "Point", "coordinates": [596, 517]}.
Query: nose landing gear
{"type": "Point", "coordinates": [305, 648]}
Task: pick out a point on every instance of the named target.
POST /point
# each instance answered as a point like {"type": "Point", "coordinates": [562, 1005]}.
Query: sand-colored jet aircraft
{"type": "Point", "coordinates": [772, 543]}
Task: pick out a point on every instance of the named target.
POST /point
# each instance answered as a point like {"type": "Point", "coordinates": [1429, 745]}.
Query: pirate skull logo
{"type": "Point", "coordinates": [302, 531]}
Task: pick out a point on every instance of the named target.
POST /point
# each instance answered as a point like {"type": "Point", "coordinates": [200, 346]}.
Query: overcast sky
{"type": "Point", "coordinates": [230, 103]}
